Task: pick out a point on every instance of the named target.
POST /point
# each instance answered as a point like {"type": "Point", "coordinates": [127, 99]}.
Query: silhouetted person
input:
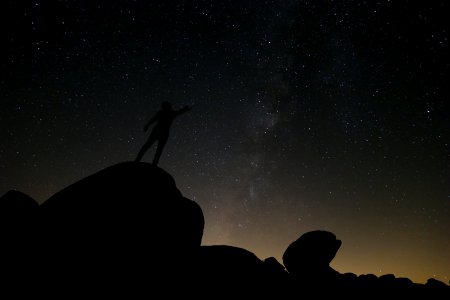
{"type": "Point", "coordinates": [160, 132]}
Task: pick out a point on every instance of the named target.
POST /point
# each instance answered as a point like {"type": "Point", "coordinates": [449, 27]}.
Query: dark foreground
{"type": "Point", "coordinates": [127, 231]}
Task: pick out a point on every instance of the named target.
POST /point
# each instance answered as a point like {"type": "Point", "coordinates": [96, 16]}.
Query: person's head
{"type": "Point", "coordinates": [165, 105]}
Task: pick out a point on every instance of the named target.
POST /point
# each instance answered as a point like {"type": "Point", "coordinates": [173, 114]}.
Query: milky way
{"type": "Point", "coordinates": [305, 115]}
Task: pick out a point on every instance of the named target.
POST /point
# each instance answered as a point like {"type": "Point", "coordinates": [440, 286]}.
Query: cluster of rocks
{"type": "Point", "coordinates": [128, 230]}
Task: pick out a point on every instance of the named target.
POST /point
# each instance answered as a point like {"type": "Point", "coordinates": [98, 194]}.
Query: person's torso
{"type": "Point", "coordinates": [165, 121]}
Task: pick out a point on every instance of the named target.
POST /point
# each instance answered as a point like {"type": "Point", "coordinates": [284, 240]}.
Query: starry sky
{"type": "Point", "coordinates": [305, 115]}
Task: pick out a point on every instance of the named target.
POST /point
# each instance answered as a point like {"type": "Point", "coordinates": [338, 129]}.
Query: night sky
{"type": "Point", "coordinates": [305, 115]}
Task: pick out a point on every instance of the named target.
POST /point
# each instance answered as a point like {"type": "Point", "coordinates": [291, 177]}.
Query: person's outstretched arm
{"type": "Point", "coordinates": [183, 110]}
{"type": "Point", "coordinates": [152, 120]}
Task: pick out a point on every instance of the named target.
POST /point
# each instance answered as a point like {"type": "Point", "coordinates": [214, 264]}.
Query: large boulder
{"type": "Point", "coordinates": [126, 201]}
{"type": "Point", "coordinates": [18, 218]}
{"type": "Point", "coordinates": [125, 220]}
{"type": "Point", "coordinates": [310, 255]}
{"type": "Point", "coordinates": [19, 229]}
{"type": "Point", "coordinates": [231, 270]}
{"type": "Point", "coordinates": [17, 202]}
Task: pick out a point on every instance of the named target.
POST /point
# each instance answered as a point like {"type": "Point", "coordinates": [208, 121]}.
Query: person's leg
{"type": "Point", "coordinates": [144, 148]}
{"type": "Point", "coordinates": [161, 143]}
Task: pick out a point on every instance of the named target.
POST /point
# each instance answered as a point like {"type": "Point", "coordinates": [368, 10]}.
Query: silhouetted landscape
{"type": "Point", "coordinates": [127, 229]}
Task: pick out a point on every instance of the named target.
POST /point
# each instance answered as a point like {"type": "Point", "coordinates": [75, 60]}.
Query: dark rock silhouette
{"type": "Point", "coordinates": [310, 255]}
{"type": "Point", "coordinates": [307, 259]}
{"type": "Point", "coordinates": [124, 224]}
{"type": "Point", "coordinates": [16, 202]}
{"type": "Point", "coordinates": [272, 264]}
{"type": "Point", "coordinates": [234, 263]}
{"type": "Point", "coordinates": [125, 200]}
{"type": "Point", "coordinates": [18, 219]}
{"type": "Point", "coordinates": [236, 271]}
{"type": "Point", "coordinates": [128, 231]}
{"type": "Point", "coordinates": [19, 232]}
